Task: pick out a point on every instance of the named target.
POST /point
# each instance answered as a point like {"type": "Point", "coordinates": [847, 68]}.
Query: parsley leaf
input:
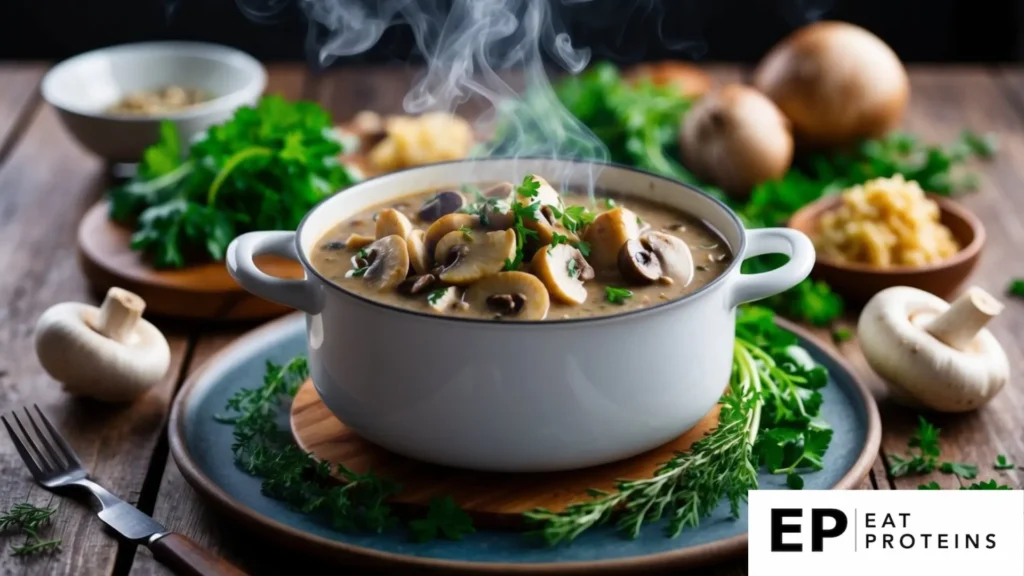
{"type": "Point", "coordinates": [926, 440]}
{"type": "Point", "coordinates": [989, 485]}
{"type": "Point", "coordinates": [1003, 464]}
{"type": "Point", "coordinates": [261, 170]}
{"type": "Point", "coordinates": [966, 471]}
{"type": "Point", "coordinates": [609, 203]}
{"type": "Point", "coordinates": [794, 481]}
{"type": "Point", "coordinates": [933, 485]}
{"type": "Point", "coordinates": [436, 295]}
{"type": "Point", "coordinates": [1017, 287]}
{"type": "Point", "coordinates": [444, 519]}
{"type": "Point", "coordinates": [530, 187]}
{"type": "Point", "coordinates": [584, 248]}
{"type": "Point", "coordinates": [617, 295]}
{"type": "Point", "coordinates": [467, 232]}
{"type": "Point", "coordinates": [557, 239]}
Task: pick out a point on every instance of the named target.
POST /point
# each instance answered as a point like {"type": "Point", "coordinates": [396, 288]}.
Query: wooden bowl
{"type": "Point", "coordinates": [857, 283]}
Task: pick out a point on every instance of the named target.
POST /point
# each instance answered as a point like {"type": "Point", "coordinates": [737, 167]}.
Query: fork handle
{"type": "Point", "coordinates": [186, 558]}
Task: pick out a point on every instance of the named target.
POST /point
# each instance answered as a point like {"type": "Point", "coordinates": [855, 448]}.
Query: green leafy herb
{"type": "Point", "coordinates": [584, 248]}
{"type": "Point", "coordinates": [444, 519]}
{"type": "Point", "coordinates": [28, 519]}
{"type": "Point", "coordinates": [609, 203]}
{"type": "Point", "coordinates": [989, 485]}
{"type": "Point", "coordinates": [264, 449]}
{"type": "Point", "coordinates": [841, 335]}
{"type": "Point", "coordinates": [574, 218]}
{"type": "Point", "coordinates": [1003, 464]}
{"type": "Point", "coordinates": [467, 232]}
{"type": "Point", "coordinates": [617, 295]}
{"type": "Point", "coordinates": [966, 471]}
{"type": "Point", "coordinates": [261, 170]}
{"type": "Point", "coordinates": [436, 295]}
{"type": "Point", "coordinates": [557, 239]}
{"type": "Point", "coordinates": [520, 214]}
{"type": "Point", "coordinates": [795, 481]}
{"type": "Point", "coordinates": [1017, 287]}
{"type": "Point", "coordinates": [722, 464]}
{"type": "Point", "coordinates": [572, 268]}
{"type": "Point", "coordinates": [357, 272]}
{"type": "Point", "coordinates": [933, 485]}
{"type": "Point", "coordinates": [925, 459]}
{"type": "Point", "coordinates": [530, 187]}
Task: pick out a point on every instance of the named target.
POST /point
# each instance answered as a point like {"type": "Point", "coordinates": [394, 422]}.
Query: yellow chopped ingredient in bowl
{"type": "Point", "coordinates": [417, 140]}
{"type": "Point", "coordinates": [885, 222]}
{"type": "Point", "coordinates": [168, 99]}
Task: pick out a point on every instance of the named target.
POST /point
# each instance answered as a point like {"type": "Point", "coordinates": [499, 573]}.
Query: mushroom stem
{"type": "Point", "coordinates": [119, 313]}
{"type": "Point", "coordinates": [966, 316]}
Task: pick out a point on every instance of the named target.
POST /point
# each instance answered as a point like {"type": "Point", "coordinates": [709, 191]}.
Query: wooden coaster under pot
{"type": "Point", "coordinates": [490, 497]}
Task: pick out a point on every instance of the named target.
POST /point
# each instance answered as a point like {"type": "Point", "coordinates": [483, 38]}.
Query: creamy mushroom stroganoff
{"type": "Point", "coordinates": [523, 251]}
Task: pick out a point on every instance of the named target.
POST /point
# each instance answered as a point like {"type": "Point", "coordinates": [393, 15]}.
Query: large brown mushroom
{"type": "Point", "coordinates": [384, 264]}
{"type": "Point", "coordinates": [563, 269]}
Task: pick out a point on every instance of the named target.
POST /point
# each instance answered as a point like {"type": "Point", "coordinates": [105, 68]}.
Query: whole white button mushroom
{"type": "Point", "coordinates": [931, 353]}
{"type": "Point", "coordinates": [108, 353]}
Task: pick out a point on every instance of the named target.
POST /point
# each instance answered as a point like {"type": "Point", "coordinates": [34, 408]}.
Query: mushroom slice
{"type": "Point", "coordinates": [418, 255]}
{"type": "Point", "coordinates": [443, 299]}
{"type": "Point", "coordinates": [358, 241]}
{"type": "Point", "coordinates": [546, 194]}
{"type": "Point", "coordinates": [469, 257]}
{"type": "Point", "coordinates": [441, 204]}
{"type": "Point", "coordinates": [391, 221]}
{"type": "Point", "coordinates": [510, 295]}
{"type": "Point", "coordinates": [637, 264]}
{"type": "Point", "coordinates": [445, 225]}
{"type": "Point", "coordinates": [415, 284]}
{"type": "Point", "coordinates": [563, 269]}
{"type": "Point", "coordinates": [673, 254]}
{"type": "Point", "coordinates": [386, 263]}
{"type": "Point", "coordinates": [606, 235]}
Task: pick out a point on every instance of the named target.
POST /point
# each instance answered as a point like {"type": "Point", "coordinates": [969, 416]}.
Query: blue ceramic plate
{"type": "Point", "coordinates": [202, 449]}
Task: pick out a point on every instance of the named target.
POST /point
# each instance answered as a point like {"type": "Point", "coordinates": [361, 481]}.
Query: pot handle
{"type": "Point", "coordinates": [299, 294]}
{"type": "Point", "coordinates": [792, 243]}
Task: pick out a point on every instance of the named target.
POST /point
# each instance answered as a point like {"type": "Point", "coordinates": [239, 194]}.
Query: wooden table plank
{"type": "Point", "coordinates": [945, 101]}
{"type": "Point", "coordinates": [46, 184]}
{"type": "Point", "coordinates": [19, 96]}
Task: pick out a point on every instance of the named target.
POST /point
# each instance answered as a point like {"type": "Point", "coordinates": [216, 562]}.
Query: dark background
{"type": "Point", "coordinates": [621, 30]}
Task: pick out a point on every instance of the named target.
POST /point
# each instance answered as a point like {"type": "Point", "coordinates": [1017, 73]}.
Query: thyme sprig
{"type": "Point", "coordinates": [769, 415]}
{"type": "Point", "coordinates": [28, 519]}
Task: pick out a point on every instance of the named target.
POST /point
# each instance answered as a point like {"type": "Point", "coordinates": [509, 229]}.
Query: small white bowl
{"type": "Point", "coordinates": [85, 87]}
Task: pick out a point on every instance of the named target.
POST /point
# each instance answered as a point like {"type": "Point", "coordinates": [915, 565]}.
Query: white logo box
{"type": "Point", "coordinates": [920, 532]}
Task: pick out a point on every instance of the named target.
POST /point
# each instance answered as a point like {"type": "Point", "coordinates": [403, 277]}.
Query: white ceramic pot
{"type": "Point", "coordinates": [520, 396]}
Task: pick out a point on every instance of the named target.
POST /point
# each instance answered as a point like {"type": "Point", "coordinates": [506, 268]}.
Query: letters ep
{"type": "Point", "coordinates": [780, 527]}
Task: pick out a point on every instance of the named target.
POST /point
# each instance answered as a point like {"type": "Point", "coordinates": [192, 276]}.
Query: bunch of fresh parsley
{"type": "Point", "coordinates": [28, 519]}
{"type": "Point", "coordinates": [348, 500]}
{"type": "Point", "coordinates": [770, 415]}
{"type": "Point", "coordinates": [261, 170]}
{"type": "Point", "coordinates": [639, 123]}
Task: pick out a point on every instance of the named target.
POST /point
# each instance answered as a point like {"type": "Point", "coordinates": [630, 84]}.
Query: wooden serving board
{"type": "Point", "coordinates": [205, 291]}
{"type": "Point", "coordinates": [493, 498]}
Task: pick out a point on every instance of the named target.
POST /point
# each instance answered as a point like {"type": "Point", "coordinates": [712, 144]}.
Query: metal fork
{"type": "Point", "coordinates": [56, 467]}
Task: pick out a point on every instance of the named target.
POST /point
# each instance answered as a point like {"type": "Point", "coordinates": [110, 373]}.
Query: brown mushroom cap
{"type": "Point", "coordinates": [563, 269]}
{"type": "Point", "coordinates": [420, 259]}
{"type": "Point", "coordinates": [469, 257]}
{"type": "Point", "coordinates": [606, 235]}
{"type": "Point", "coordinates": [441, 204]}
{"type": "Point", "coordinates": [637, 264]}
{"type": "Point", "coordinates": [510, 296]}
{"type": "Point", "coordinates": [387, 262]}
{"type": "Point", "coordinates": [673, 254]}
{"type": "Point", "coordinates": [445, 225]}
{"type": "Point", "coordinates": [391, 221]}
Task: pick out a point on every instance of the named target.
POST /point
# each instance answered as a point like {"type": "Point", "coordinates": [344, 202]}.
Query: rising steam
{"type": "Point", "coordinates": [471, 48]}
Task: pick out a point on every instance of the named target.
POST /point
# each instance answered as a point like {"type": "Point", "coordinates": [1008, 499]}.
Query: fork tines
{"type": "Point", "coordinates": [54, 457]}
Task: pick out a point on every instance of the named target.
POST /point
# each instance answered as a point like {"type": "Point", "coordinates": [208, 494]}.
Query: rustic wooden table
{"type": "Point", "coordinates": [47, 182]}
